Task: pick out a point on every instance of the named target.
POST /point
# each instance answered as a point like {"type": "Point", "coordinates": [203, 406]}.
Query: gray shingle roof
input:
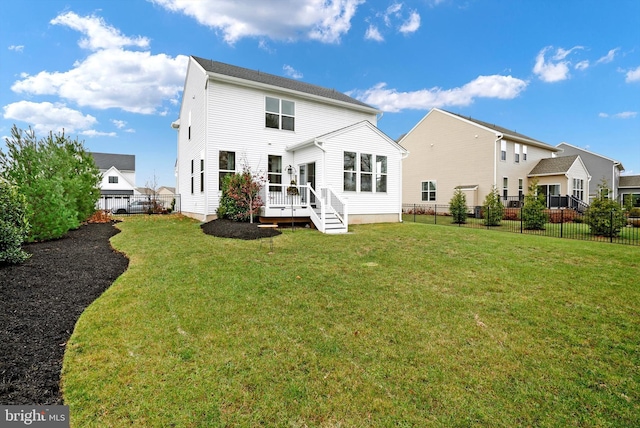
{"type": "Point", "coordinates": [121, 162]}
{"type": "Point", "coordinates": [277, 81]}
{"type": "Point", "coordinates": [629, 181]}
{"type": "Point", "coordinates": [504, 131]}
{"type": "Point", "coordinates": [549, 166]}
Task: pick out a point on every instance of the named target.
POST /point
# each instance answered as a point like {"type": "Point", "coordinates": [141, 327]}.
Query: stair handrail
{"type": "Point", "coordinates": [338, 205]}
{"type": "Point", "coordinates": [317, 220]}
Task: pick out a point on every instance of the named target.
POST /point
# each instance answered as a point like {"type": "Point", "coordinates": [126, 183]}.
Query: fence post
{"type": "Point", "coordinates": [521, 221]}
{"type": "Point", "coordinates": [611, 226]}
{"type": "Point", "coordinates": [414, 213]}
{"type": "Point", "coordinates": [561, 222]}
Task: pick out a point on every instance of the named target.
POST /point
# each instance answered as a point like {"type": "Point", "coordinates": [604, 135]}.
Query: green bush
{"type": "Point", "coordinates": [240, 200]}
{"type": "Point", "coordinates": [492, 208]}
{"type": "Point", "coordinates": [605, 216]}
{"type": "Point", "coordinates": [58, 178]}
{"type": "Point", "coordinates": [458, 207]}
{"type": "Point", "coordinates": [533, 214]}
{"type": "Point", "coordinates": [14, 226]}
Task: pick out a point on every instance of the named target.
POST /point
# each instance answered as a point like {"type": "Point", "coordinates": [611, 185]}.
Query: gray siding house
{"type": "Point", "coordinates": [600, 168]}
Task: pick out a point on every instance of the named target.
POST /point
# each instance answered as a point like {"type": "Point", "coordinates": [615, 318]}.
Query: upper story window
{"type": "Point", "coordinates": [226, 166]}
{"type": "Point", "coordinates": [503, 150]}
{"type": "Point", "coordinates": [280, 114]}
{"type": "Point", "coordinates": [524, 152]}
{"type": "Point", "coordinates": [517, 153]}
{"type": "Point", "coordinates": [113, 179]}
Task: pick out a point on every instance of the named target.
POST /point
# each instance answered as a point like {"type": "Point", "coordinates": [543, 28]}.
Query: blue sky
{"type": "Point", "coordinates": [112, 72]}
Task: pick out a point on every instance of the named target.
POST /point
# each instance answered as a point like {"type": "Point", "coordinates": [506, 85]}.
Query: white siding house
{"type": "Point", "coordinates": [233, 118]}
{"type": "Point", "coordinates": [118, 178]}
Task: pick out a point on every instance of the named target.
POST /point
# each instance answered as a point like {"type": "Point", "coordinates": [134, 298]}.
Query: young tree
{"type": "Point", "coordinates": [458, 207]}
{"type": "Point", "coordinates": [605, 216]}
{"type": "Point", "coordinates": [240, 199]}
{"type": "Point", "coordinates": [14, 226]}
{"type": "Point", "coordinates": [533, 215]}
{"type": "Point", "coordinates": [58, 178]}
{"type": "Point", "coordinates": [493, 208]}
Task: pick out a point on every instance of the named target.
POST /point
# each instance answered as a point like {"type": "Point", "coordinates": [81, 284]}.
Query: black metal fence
{"type": "Point", "coordinates": [560, 223]}
{"type": "Point", "coordinates": [139, 204]}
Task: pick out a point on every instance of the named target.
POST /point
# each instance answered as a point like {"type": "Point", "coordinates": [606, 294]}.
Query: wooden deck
{"type": "Point", "coordinates": [288, 221]}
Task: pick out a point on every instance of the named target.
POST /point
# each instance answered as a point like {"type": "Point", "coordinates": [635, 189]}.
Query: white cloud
{"type": "Point", "coordinates": [391, 100]}
{"type": "Point", "coordinates": [626, 115]}
{"type": "Point", "coordinates": [582, 65]}
{"type": "Point", "coordinates": [323, 20]}
{"type": "Point", "coordinates": [110, 77]}
{"type": "Point", "coordinates": [621, 115]}
{"type": "Point", "coordinates": [411, 25]}
{"type": "Point", "coordinates": [555, 69]}
{"type": "Point", "coordinates": [292, 72]}
{"type": "Point", "coordinates": [608, 57]}
{"type": "Point", "coordinates": [633, 75]}
{"type": "Point", "coordinates": [46, 116]}
{"type": "Point", "coordinates": [99, 35]}
{"type": "Point", "coordinates": [119, 123]}
{"type": "Point", "coordinates": [94, 133]}
{"type": "Point", "coordinates": [17, 48]}
{"type": "Point", "coordinates": [373, 34]}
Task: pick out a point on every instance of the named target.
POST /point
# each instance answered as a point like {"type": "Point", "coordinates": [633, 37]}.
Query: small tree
{"type": "Point", "coordinates": [605, 216]}
{"type": "Point", "coordinates": [240, 199]}
{"type": "Point", "coordinates": [458, 207]}
{"type": "Point", "coordinates": [533, 215]}
{"type": "Point", "coordinates": [493, 208]}
{"type": "Point", "coordinates": [14, 226]}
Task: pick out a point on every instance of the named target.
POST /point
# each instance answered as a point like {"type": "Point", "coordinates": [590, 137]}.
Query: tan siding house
{"type": "Point", "coordinates": [449, 151]}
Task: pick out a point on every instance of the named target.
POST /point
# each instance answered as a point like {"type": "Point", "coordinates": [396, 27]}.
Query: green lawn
{"type": "Point", "coordinates": [391, 325]}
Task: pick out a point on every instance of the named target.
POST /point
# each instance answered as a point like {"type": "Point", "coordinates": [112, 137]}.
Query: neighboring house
{"type": "Point", "coordinates": [600, 168]}
{"type": "Point", "coordinates": [450, 151]}
{"type": "Point", "coordinates": [232, 118]}
{"type": "Point", "coordinates": [629, 187]}
{"type": "Point", "coordinates": [560, 177]}
{"type": "Point", "coordinates": [118, 178]}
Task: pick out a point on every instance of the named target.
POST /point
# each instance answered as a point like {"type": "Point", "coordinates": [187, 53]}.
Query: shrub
{"type": "Point", "coordinates": [240, 200]}
{"type": "Point", "coordinates": [492, 208]}
{"type": "Point", "coordinates": [634, 212]}
{"type": "Point", "coordinates": [605, 216]}
{"type": "Point", "coordinates": [534, 216]}
{"type": "Point", "coordinates": [14, 226]}
{"type": "Point", "coordinates": [58, 178]}
{"type": "Point", "coordinates": [458, 207]}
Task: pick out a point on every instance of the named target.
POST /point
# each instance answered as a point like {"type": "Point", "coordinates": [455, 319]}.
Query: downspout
{"type": "Point", "coordinates": [206, 163]}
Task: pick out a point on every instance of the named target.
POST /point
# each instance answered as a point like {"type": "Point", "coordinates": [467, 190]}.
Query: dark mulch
{"type": "Point", "coordinates": [40, 302]}
{"type": "Point", "coordinates": [232, 229]}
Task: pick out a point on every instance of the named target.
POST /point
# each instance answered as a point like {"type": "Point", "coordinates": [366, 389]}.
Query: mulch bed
{"type": "Point", "coordinates": [41, 300]}
{"type": "Point", "coordinates": [232, 229]}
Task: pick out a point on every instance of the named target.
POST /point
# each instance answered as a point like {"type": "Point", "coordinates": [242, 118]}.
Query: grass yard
{"type": "Point", "coordinates": [392, 325]}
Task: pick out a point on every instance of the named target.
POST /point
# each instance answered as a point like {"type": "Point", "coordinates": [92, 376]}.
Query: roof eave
{"type": "Point", "coordinates": [259, 85]}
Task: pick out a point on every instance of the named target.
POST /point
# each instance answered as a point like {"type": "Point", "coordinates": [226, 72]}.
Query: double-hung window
{"type": "Point", "coordinates": [192, 176]}
{"type": "Point", "coordinates": [366, 173]}
{"type": "Point", "coordinates": [517, 153]}
{"type": "Point", "coordinates": [201, 175]}
{"type": "Point", "coordinates": [350, 173]}
{"type": "Point", "coordinates": [524, 152]}
{"type": "Point", "coordinates": [505, 188]}
{"type": "Point", "coordinates": [226, 166]}
{"type": "Point", "coordinates": [503, 150]}
{"type": "Point", "coordinates": [429, 191]}
{"type": "Point", "coordinates": [280, 114]}
{"type": "Point", "coordinates": [113, 179]}
{"type": "Point", "coordinates": [520, 189]}
{"type": "Point", "coordinates": [578, 188]}
{"type": "Point", "coordinates": [275, 172]}
{"type": "Point", "coordinates": [381, 173]}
